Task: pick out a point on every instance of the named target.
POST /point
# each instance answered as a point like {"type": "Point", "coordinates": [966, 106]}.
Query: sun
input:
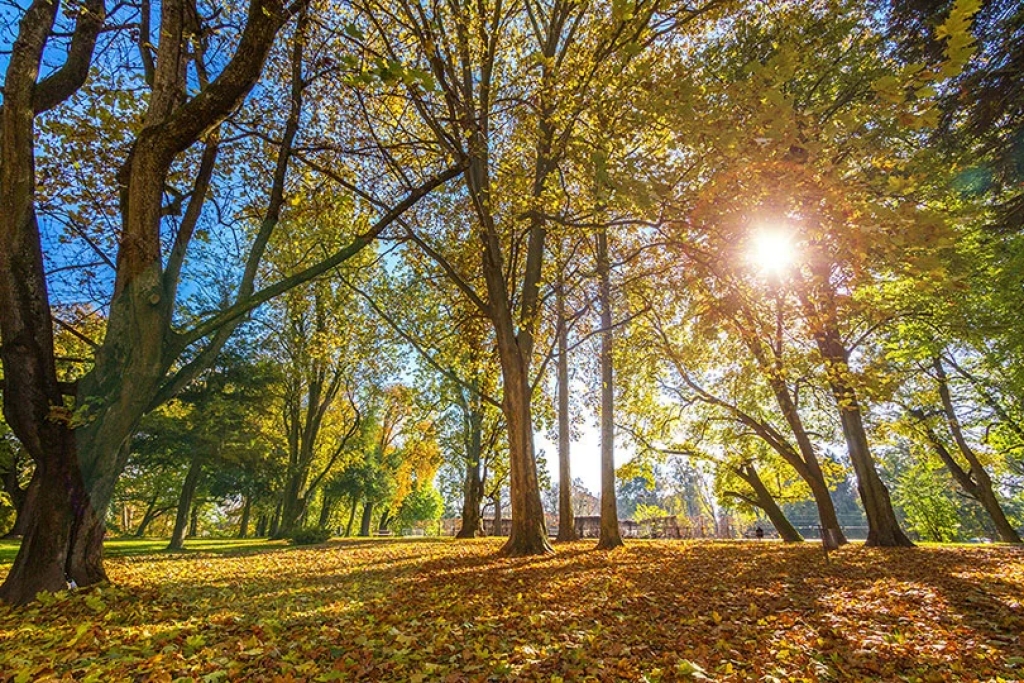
{"type": "Point", "coordinates": [772, 251]}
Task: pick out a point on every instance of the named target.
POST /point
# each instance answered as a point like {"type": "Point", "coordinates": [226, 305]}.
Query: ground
{"type": "Point", "coordinates": [422, 610]}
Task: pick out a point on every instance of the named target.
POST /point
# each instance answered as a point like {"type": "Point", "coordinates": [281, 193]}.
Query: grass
{"type": "Point", "coordinates": [419, 610]}
{"type": "Point", "coordinates": [139, 547]}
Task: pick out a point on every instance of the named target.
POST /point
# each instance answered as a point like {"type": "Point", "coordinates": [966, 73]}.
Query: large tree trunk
{"type": "Point", "coordinates": [883, 527]}
{"type": "Point", "coordinates": [566, 524]}
{"type": "Point", "coordinates": [78, 469]}
{"type": "Point", "coordinates": [364, 526]}
{"type": "Point", "coordinates": [764, 500]}
{"type": "Point", "coordinates": [473, 485]}
{"type": "Point", "coordinates": [60, 515]}
{"type": "Point", "coordinates": [609, 537]}
{"type": "Point", "coordinates": [185, 499]}
{"type": "Point", "coordinates": [529, 533]}
{"type": "Point", "coordinates": [33, 402]}
{"type": "Point", "coordinates": [515, 350]}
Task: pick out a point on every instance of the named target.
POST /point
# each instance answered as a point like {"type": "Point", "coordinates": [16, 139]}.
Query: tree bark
{"type": "Point", "coordinates": [364, 526]}
{"type": "Point", "coordinates": [148, 517]}
{"type": "Point", "coordinates": [764, 500]}
{"type": "Point", "coordinates": [529, 534]}
{"type": "Point", "coordinates": [883, 527]}
{"type": "Point", "coordinates": [185, 502]}
{"type": "Point", "coordinates": [804, 459]}
{"type": "Point", "coordinates": [243, 524]}
{"type": "Point", "coordinates": [33, 402]}
{"type": "Point", "coordinates": [810, 471]}
{"type": "Point", "coordinates": [325, 511]}
{"type": "Point", "coordinates": [566, 524]}
{"type": "Point", "coordinates": [496, 530]}
{"type": "Point", "coordinates": [275, 521]}
{"type": "Point", "coordinates": [385, 520]}
{"type": "Point", "coordinates": [193, 521]}
{"type": "Point", "coordinates": [977, 483]}
{"type": "Point", "coordinates": [352, 516]}
{"type": "Point", "coordinates": [609, 537]}
{"type": "Point", "coordinates": [24, 506]}
{"type": "Point", "coordinates": [473, 485]}
{"type": "Point", "coordinates": [78, 466]}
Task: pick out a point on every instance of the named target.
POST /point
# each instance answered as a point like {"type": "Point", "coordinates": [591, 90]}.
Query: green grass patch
{"type": "Point", "coordinates": [140, 547]}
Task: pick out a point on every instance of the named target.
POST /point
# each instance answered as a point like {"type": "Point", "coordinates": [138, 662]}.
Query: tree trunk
{"type": "Point", "coordinates": [364, 526]}
{"type": "Point", "coordinates": [275, 521]}
{"type": "Point", "coordinates": [529, 534]}
{"type": "Point", "coordinates": [609, 537]}
{"type": "Point", "coordinates": [810, 470]}
{"type": "Point", "coordinates": [385, 520]}
{"type": "Point", "coordinates": [148, 516]}
{"type": "Point", "coordinates": [804, 459]}
{"type": "Point", "coordinates": [766, 502]}
{"type": "Point", "coordinates": [24, 508]}
{"type": "Point", "coordinates": [566, 524]}
{"type": "Point", "coordinates": [352, 516]}
{"type": "Point", "coordinates": [188, 492]}
{"type": "Point", "coordinates": [33, 403]}
{"type": "Point", "coordinates": [988, 500]}
{"type": "Point", "coordinates": [243, 524]}
{"type": "Point", "coordinates": [496, 530]}
{"type": "Point", "coordinates": [193, 522]}
{"type": "Point", "coordinates": [60, 515]}
{"type": "Point", "coordinates": [473, 486]}
{"type": "Point", "coordinates": [261, 526]}
{"type": "Point", "coordinates": [515, 350]}
{"type": "Point", "coordinates": [983, 489]}
{"type": "Point", "coordinates": [883, 527]}
{"type": "Point", "coordinates": [325, 511]}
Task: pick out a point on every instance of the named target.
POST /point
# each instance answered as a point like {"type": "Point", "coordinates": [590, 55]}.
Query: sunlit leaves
{"type": "Point", "coordinates": [655, 611]}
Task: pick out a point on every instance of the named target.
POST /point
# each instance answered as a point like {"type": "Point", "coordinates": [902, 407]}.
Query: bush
{"type": "Point", "coordinates": [310, 535]}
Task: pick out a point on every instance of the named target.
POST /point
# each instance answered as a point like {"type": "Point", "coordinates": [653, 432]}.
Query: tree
{"type": "Point", "coordinates": [461, 113]}
{"type": "Point", "coordinates": [422, 504]}
{"type": "Point", "coordinates": [974, 480]}
{"type": "Point", "coordinates": [144, 358]}
{"type": "Point", "coordinates": [799, 168]}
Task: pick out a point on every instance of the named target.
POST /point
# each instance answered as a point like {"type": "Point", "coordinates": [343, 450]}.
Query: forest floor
{"type": "Point", "coordinates": [426, 610]}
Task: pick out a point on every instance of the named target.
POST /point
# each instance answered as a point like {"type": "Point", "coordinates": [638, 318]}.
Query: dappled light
{"type": "Point", "coordinates": [400, 611]}
{"type": "Point", "coordinates": [405, 340]}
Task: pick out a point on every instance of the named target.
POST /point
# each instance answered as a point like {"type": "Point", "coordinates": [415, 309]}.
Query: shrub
{"type": "Point", "coordinates": [310, 535]}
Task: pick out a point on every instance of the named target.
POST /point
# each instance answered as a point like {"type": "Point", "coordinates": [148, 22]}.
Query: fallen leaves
{"type": "Point", "coordinates": [452, 611]}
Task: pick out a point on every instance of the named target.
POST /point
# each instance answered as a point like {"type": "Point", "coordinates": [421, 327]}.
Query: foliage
{"type": "Point", "coordinates": [414, 611]}
{"type": "Point", "coordinates": [422, 504]}
{"type": "Point", "coordinates": [645, 512]}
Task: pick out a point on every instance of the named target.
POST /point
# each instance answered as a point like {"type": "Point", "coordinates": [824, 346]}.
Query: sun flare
{"type": "Point", "coordinates": [772, 251]}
